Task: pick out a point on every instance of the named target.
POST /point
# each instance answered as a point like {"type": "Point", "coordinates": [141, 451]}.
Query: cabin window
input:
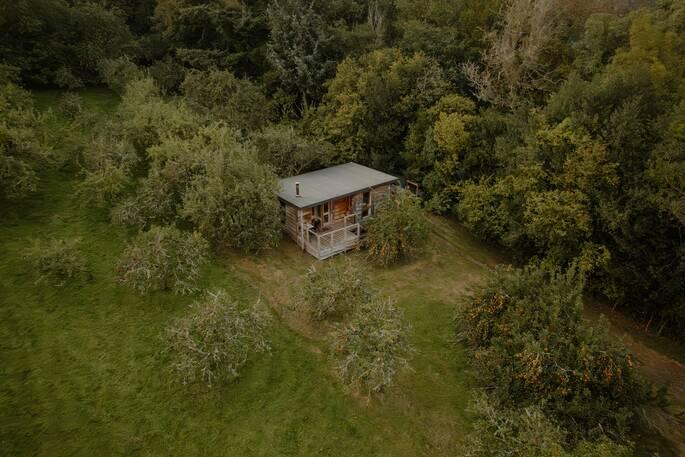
{"type": "Point", "coordinates": [326, 212]}
{"type": "Point", "coordinates": [366, 199]}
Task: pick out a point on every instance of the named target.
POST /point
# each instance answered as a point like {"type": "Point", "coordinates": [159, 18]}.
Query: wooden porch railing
{"type": "Point", "coordinates": [325, 244]}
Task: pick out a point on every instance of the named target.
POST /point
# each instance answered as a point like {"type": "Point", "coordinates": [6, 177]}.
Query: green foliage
{"type": "Point", "coordinates": [372, 348]}
{"type": "Point", "coordinates": [163, 258]}
{"type": "Point", "coordinates": [108, 164]}
{"type": "Point", "coordinates": [168, 74]}
{"type": "Point", "coordinates": [213, 181]}
{"type": "Point", "coordinates": [531, 347]}
{"type": "Point", "coordinates": [371, 101]}
{"type": "Point", "coordinates": [118, 73]}
{"type": "Point", "coordinates": [216, 338]}
{"type": "Point", "coordinates": [215, 33]}
{"type": "Point", "coordinates": [56, 261]}
{"type": "Point", "coordinates": [145, 118]}
{"type": "Point", "coordinates": [53, 41]}
{"type": "Point", "coordinates": [291, 152]}
{"type": "Point", "coordinates": [222, 96]}
{"type": "Point", "coordinates": [398, 229]}
{"type": "Point", "coordinates": [527, 432]}
{"type": "Point", "coordinates": [23, 143]}
{"type": "Point", "coordinates": [70, 105]}
{"type": "Point", "coordinates": [297, 47]}
{"type": "Point", "coordinates": [65, 79]}
{"type": "Point", "coordinates": [333, 290]}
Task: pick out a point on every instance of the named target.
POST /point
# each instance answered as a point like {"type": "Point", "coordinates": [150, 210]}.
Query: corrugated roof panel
{"type": "Point", "coordinates": [319, 186]}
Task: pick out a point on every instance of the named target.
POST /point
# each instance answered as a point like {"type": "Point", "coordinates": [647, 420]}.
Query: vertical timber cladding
{"type": "Point", "coordinates": [291, 221]}
{"type": "Point", "coordinates": [342, 208]}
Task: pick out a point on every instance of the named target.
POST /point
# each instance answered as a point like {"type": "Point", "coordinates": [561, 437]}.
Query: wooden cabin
{"type": "Point", "coordinates": [323, 209]}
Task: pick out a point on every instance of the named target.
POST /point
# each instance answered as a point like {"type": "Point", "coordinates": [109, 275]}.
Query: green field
{"type": "Point", "coordinates": [83, 371]}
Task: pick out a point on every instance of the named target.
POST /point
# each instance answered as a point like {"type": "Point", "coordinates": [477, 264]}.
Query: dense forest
{"type": "Point", "coordinates": [554, 129]}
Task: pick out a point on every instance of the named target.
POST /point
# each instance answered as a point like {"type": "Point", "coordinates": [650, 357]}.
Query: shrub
{"type": "Point", "coordinates": [23, 144]}
{"type": "Point", "coordinates": [526, 432]}
{"type": "Point", "coordinates": [107, 168]}
{"type": "Point", "coordinates": [56, 261]}
{"type": "Point", "coordinates": [530, 346]}
{"type": "Point", "coordinates": [118, 73]}
{"type": "Point", "coordinates": [216, 338]}
{"type": "Point", "coordinates": [70, 105]}
{"type": "Point", "coordinates": [168, 74]}
{"type": "Point", "coordinates": [65, 79]}
{"type": "Point", "coordinates": [398, 230]}
{"type": "Point", "coordinates": [373, 346]}
{"type": "Point", "coordinates": [220, 94]}
{"type": "Point", "coordinates": [290, 152]}
{"type": "Point", "coordinates": [333, 290]}
{"type": "Point", "coordinates": [163, 258]}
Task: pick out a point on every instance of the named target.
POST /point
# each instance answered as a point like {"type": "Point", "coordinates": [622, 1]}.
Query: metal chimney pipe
{"type": "Point", "coordinates": [297, 189]}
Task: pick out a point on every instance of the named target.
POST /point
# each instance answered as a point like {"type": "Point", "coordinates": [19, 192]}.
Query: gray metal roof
{"type": "Point", "coordinates": [340, 181]}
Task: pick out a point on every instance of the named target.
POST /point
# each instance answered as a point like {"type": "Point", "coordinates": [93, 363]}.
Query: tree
{"type": "Point", "coordinates": [297, 47]}
{"type": "Point", "coordinates": [222, 96]}
{"type": "Point", "coordinates": [215, 339]}
{"type": "Point", "coordinates": [333, 290]}
{"type": "Point", "coordinates": [163, 258]}
{"type": "Point", "coordinates": [215, 34]}
{"type": "Point", "coordinates": [398, 229]}
{"type": "Point", "coordinates": [516, 65]}
{"type": "Point", "coordinates": [527, 432]}
{"type": "Point", "coordinates": [291, 152]}
{"type": "Point", "coordinates": [371, 101]}
{"type": "Point", "coordinates": [531, 347]}
{"type": "Point", "coordinates": [53, 41]}
{"type": "Point", "coordinates": [118, 73]}
{"type": "Point", "coordinates": [107, 166]}
{"type": "Point", "coordinates": [372, 348]}
{"type": "Point", "coordinates": [212, 181]}
{"type": "Point", "coordinates": [56, 261]}
{"type": "Point", "coordinates": [144, 118]}
{"type": "Point", "coordinates": [23, 145]}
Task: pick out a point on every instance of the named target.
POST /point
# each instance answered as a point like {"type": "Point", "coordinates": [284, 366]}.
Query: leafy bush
{"type": "Point", "coordinates": [333, 290]}
{"type": "Point", "coordinates": [398, 230]}
{"type": "Point", "coordinates": [216, 338]}
{"type": "Point", "coordinates": [527, 432]}
{"type": "Point", "coordinates": [530, 346]}
{"type": "Point", "coordinates": [56, 261]}
{"type": "Point", "coordinates": [118, 73]}
{"type": "Point", "coordinates": [163, 258]}
{"type": "Point", "coordinates": [64, 78]}
{"type": "Point", "coordinates": [290, 152]}
{"type": "Point", "coordinates": [220, 94]}
{"type": "Point", "coordinates": [23, 145]}
{"type": "Point", "coordinates": [70, 105]}
{"type": "Point", "coordinates": [373, 346]}
{"type": "Point", "coordinates": [212, 181]}
{"type": "Point", "coordinates": [107, 164]}
{"type": "Point", "coordinates": [168, 74]}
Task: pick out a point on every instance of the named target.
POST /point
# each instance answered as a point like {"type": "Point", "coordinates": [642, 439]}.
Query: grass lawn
{"type": "Point", "coordinates": [83, 372]}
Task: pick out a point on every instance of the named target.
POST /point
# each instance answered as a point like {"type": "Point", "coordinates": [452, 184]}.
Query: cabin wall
{"type": "Point", "coordinates": [291, 216]}
{"type": "Point", "coordinates": [380, 193]}
{"type": "Point", "coordinates": [341, 208]}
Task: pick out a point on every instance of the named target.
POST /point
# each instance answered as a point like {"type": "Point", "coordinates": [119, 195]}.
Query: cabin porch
{"type": "Point", "coordinates": [334, 238]}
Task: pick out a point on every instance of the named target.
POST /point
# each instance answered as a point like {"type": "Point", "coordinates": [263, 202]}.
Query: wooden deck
{"type": "Point", "coordinates": [335, 238]}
